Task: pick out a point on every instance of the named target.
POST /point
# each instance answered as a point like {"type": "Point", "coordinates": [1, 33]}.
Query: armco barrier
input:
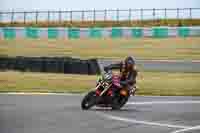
{"type": "Point", "coordinates": [120, 32]}
{"type": "Point", "coordinates": [50, 65]}
{"type": "Point", "coordinates": [116, 33]}
{"type": "Point", "coordinates": [61, 64]}
{"type": "Point", "coordinates": [137, 32]}
{"type": "Point", "coordinates": [3, 63]}
{"type": "Point", "coordinates": [20, 64]}
{"type": "Point", "coordinates": [53, 33]}
{"type": "Point", "coordinates": [95, 33]}
{"type": "Point", "coordinates": [75, 66]}
{"type": "Point", "coordinates": [184, 32]}
{"type": "Point", "coordinates": [83, 67]}
{"type": "Point", "coordinates": [9, 33]}
{"type": "Point", "coordinates": [160, 32]}
{"type": "Point", "coordinates": [32, 32]}
{"type": "Point", "coordinates": [93, 67]}
{"type": "Point", "coordinates": [68, 65]}
{"type": "Point", "coordinates": [7, 63]}
{"type": "Point", "coordinates": [54, 65]}
{"type": "Point", "coordinates": [74, 33]}
{"type": "Point", "coordinates": [35, 64]}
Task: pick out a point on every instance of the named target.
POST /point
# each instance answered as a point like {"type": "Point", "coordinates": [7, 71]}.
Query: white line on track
{"type": "Point", "coordinates": [187, 129]}
{"type": "Point", "coordinates": [35, 93]}
{"type": "Point", "coordinates": [164, 102]}
{"type": "Point", "coordinates": [143, 122]}
{"type": "Point", "coordinates": [183, 128]}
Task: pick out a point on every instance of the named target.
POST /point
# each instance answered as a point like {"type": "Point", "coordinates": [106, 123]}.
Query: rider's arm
{"type": "Point", "coordinates": [130, 80]}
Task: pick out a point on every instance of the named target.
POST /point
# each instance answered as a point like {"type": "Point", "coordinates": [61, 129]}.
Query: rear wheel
{"type": "Point", "coordinates": [89, 100]}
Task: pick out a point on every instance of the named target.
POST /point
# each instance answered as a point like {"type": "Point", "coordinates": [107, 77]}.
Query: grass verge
{"type": "Point", "coordinates": [152, 83]}
{"type": "Point", "coordinates": [144, 48]}
{"type": "Point", "coordinates": [107, 23]}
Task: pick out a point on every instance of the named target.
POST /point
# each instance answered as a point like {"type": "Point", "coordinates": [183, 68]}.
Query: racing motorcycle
{"type": "Point", "coordinates": [107, 93]}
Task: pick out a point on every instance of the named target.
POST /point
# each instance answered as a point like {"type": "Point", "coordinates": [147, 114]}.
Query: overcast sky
{"type": "Point", "coordinates": [91, 4]}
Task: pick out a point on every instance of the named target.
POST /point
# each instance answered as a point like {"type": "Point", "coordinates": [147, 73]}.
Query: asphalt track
{"type": "Point", "coordinates": [62, 114]}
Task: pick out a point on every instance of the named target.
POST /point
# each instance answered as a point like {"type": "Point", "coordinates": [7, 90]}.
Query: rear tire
{"type": "Point", "coordinates": [89, 100]}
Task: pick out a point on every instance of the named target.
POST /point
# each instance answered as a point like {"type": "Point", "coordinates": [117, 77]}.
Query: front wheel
{"type": "Point", "coordinates": [89, 100]}
{"type": "Point", "coordinates": [119, 102]}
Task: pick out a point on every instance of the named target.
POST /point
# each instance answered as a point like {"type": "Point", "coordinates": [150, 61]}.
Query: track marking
{"type": "Point", "coordinates": [37, 93]}
{"type": "Point", "coordinates": [187, 129]}
{"type": "Point", "coordinates": [164, 102]}
{"type": "Point", "coordinates": [143, 122]}
{"type": "Point", "coordinates": [183, 128]}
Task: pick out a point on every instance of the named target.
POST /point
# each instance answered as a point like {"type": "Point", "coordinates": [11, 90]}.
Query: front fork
{"type": "Point", "coordinates": [100, 94]}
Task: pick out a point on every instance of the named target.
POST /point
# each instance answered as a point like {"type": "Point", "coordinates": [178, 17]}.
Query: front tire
{"type": "Point", "coordinates": [119, 102]}
{"type": "Point", "coordinates": [89, 100]}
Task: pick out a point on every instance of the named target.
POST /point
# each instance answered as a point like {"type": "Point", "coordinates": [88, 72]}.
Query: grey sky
{"type": "Point", "coordinates": [91, 4]}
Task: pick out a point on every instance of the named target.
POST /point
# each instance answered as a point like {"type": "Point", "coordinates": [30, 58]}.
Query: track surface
{"type": "Point", "coordinates": [62, 114]}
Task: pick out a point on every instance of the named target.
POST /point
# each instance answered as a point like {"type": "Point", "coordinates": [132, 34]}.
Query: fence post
{"type": "Point", "coordinates": [105, 15]}
{"type": "Point", "coordinates": [117, 11]}
{"type": "Point", "coordinates": [12, 17]}
{"type": "Point", "coordinates": [82, 15]}
{"type": "Point", "coordinates": [190, 13]}
{"type": "Point", "coordinates": [24, 17]}
{"type": "Point", "coordinates": [36, 17]}
{"type": "Point", "coordinates": [71, 17]}
{"type": "Point", "coordinates": [48, 19]}
{"type": "Point", "coordinates": [1, 17]}
{"type": "Point", "coordinates": [177, 15]}
{"type": "Point", "coordinates": [165, 13]}
{"type": "Point", "coordinates": [94, 16]}
{"type": "Point", "coordinates": [141, 14]}
{"type": "Point", "coordinates": [154, 13]}
{"type": "Point", "coordinates": [166, 22]}
{"type": "Point", "coordinates": [129, 16]}
{"type": "Point", "coordinates": [60, 16]}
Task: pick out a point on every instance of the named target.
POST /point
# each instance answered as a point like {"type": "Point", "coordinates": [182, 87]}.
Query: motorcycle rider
{"type": "Point", "coordinates": [128, 73]}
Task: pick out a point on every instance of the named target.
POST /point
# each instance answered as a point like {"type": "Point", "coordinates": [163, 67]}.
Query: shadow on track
{"type": "Point", "coordinates": [110, 110]}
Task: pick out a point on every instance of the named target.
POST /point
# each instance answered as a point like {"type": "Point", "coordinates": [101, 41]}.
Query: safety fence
{"type": "Point", "coordinates": [75, 33]}
{"type": "Point", "coordinates": [98, 15]}
{"type": "Point", "coordinates": [50, 65]}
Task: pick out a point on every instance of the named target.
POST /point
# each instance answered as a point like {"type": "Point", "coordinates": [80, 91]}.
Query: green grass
{"type": "Point", "coordinates": [153, 83]}
{"type": "Point", "coordinates": [150, 83]}
{"type": "Point", "coordinates": [108, 23]}
{"type": "Point", "coordinates": [42, 82]}
{"type": "Point", "coordinates": [144, 48]}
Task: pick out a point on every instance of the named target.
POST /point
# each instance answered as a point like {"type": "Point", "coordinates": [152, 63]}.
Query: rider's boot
{"type": "Point", "coordinates": [133, 90]}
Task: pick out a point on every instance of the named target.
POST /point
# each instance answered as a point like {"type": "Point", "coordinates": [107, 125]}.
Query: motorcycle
{"type": "Point", "coordinates": [107, 93]}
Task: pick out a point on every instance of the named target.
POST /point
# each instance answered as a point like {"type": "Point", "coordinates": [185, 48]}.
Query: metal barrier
{"type": "Point", "coordinates": [99, 15]}
{"type": "Point", "coordinates": [50, 65]}
{"type": "Point", "coordinates": [75, 33]}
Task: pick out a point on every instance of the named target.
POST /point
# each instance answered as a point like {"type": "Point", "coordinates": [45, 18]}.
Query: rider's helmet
{"type": "Point", "coordinates": [130, 62]}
